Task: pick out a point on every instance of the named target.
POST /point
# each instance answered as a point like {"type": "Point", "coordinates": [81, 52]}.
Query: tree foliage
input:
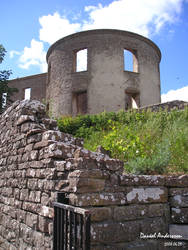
{"type": "Point", "coordinates": [5, 91]}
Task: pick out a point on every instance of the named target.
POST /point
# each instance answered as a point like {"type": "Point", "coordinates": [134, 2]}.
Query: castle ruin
{"type": "Point", "coordinates": [120, 70]}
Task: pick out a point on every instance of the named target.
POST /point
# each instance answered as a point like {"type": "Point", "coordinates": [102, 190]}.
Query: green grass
{"type": "Point", "coordinates": [147, 142]}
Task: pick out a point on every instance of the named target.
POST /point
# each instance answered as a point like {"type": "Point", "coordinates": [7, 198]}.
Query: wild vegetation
{"type": "Point", "coordinates": [148, 142]}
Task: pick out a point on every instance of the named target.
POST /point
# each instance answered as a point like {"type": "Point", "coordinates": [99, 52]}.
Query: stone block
{"type": "Point", "coordinates": [31, 173]}
{"type": "Point", "coordinates": [92, 174]}
{"type": "Point", "coordinates": [46, 211]}
{"type": "Point", "coordinates": [177, 181]}
{"type": "Point", "coordinates": [179, 201]}
{"type": "Point", "coordinates": [37, 239]}
{"type": "Point", "coordinates": [85, 185]}
{"type": "Point", "coordinates": [142, 180]}
{"type": "Point", "coordinates": [95, 199]}
{"type": "Point", "coordinates": [159, 210]}
{"type": "Point", "coordinates": [146, 195]}
{"type": "Point", "coordinates": [29, 147]}
{"type": "Point", "coordinates": [21, 215]}
{"type": "Point", "coordinates": [33, 156]}
{"type": "Point", "coordinates": [107, 233]}
{"type": "Point", "coordinates": [31, 220]}
{"type": "Point", "coordinates": [24, 194]}
{"type": "Point", "coordinates": [153, 225]}
{"type": "Point", "coordinates": [179, 231]}
{"type": "Point", "coordinates": [100, 213]}
{"type": "Point", "coordinates": [32, 184]}
{"type": "Point", "coordinates": [33, 138]}
{"type": "Point", "coordinates": [43, 224]}
{"type": "Point", "coordinates": [179, 215]}
{"type": "Point", "coordinates": [35, 196]}
{"type": "Point", "coordinates": [45, 198]}
{"type": "Point", "coordinates": [178, 191]}
{"type": "Point", "coordinates": [42, 144]}
{"type": "Point", "coordinates": [114, 165]}
{"type": "Point", "coordinates": [60, 150]}
{"type": "Point", "coordinates": [48, 173]}
{"type": "Point", "coordinates": [47, 184]}
{"type": "Point", "coordinates": [52, 135]}
{"type": "Point", "coordinates": [60, 165]}
{"type": "Point", "coordinates": [31, 207]}
{"type": "Point", "coordinates": [132, 212]}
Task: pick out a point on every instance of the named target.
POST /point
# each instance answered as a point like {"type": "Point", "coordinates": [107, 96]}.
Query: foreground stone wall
{"type": "Point", "coordinates": [37, 161]}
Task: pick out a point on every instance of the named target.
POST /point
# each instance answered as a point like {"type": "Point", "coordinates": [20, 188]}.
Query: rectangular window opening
{"type": "Point", "coordinates": [130, 61]}
{"type": "Point", "coordinates": [80, 60]}
{"type": "Point", "coordinates": [132, 101]}
{"type": "Point", "coordinates": [79, 103]}
{"type": "Point", "coordinates": [27, 95]}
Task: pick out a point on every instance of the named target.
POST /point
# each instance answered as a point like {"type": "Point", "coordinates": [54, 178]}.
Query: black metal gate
{"type": "Point", "coordinates": [71, 227]}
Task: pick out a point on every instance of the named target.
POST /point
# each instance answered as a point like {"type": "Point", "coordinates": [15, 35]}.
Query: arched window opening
{"type": "Point", "coordinates": [80, 60]}
{"type": "Point", "coordinates": [130, 61]}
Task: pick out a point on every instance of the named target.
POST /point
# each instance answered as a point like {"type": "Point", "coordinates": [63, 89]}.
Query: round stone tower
{"type": "Point", "coordinates": [102, 70]}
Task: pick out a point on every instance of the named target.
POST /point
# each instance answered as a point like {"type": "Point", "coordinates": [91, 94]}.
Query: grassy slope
{"type": "Point", "coordinates": [147, 142]}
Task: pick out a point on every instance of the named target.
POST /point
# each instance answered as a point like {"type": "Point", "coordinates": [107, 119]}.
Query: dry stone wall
{"type": "Point", "coordinates": [37, 161]}
{"type": "Point", "coordinates": [166, 106]}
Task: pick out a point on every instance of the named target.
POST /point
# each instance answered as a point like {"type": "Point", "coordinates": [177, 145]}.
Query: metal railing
{"type": "Point", "coordinates": [71, 227]}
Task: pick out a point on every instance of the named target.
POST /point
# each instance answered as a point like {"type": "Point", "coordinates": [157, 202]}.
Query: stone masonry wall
{"type": "Point", "coordinates": [166, 106]}
{"type": "Point", "coordinates": [37, 161]}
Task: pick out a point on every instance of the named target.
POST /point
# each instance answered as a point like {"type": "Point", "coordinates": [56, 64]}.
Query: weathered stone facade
{"type": "Point", "coordinates": [37, 161]}
{"type": "Point", "coordinates": [105, 84]}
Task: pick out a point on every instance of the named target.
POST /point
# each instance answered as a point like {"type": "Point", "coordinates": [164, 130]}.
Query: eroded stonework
{"type": "Point", "coordinates": [105, 84]}
{"type": "Point", "coordinates": [37, 161]}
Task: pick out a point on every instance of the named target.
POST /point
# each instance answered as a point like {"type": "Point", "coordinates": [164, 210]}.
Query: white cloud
{"type": "Point", "coordinates": [144, 17]}
{"type": "Point", "coordinates": [35, 55]}
{"type": "Point", "coordinates": [12, 53]}
{"type": "Point", "coordinates": [178, 94]}
{"type": "Point", "coordinates": [55, 27]}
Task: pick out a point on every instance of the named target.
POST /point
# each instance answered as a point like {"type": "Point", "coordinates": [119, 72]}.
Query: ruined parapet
{"type": "Point", "coordinates": [169, 106]}
{"type": "Point", "coordinates": [105, 82]}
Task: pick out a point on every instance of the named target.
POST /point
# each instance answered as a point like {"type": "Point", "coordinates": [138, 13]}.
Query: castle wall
{"type": "Point", "coordinates": [37, 83]}
{"type": "Point", "coordinates": [107, 85]}
{"type": "Point", "coordinates": [38, 161]}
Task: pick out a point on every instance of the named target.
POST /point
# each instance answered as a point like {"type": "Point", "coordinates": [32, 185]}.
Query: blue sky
{"type": "Point", "coordinates": [28, 28]}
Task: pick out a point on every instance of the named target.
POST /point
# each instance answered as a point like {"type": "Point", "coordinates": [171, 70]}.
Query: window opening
{"type": "Point", "coordinates": [27, 94]}
{"type": "Point", "coordinates": [81, 60]}
{"type": "Point", "coordinates": [130, 61]}
{"type": "Point", "coordinates": [79, 103]}
{"type": "Point", "coordinates": [132, 101]}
